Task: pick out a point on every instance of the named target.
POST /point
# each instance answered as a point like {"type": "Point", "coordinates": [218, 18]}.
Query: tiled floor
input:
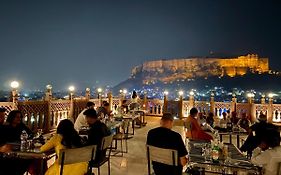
{"type": "Point", "coordinates": [134, 162]}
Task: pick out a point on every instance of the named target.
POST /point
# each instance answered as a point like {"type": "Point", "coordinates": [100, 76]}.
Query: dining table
{"type": "Point", "coordinates": [235, 163]}
{"type": "Point", "coordinates": [33, 154]}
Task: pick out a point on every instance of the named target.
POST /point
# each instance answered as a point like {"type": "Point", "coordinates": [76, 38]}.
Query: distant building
{"type": "Point", "coordinates": [183, 69]}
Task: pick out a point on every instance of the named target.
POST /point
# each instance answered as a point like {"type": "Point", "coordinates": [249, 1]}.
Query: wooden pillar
{"type": "Point", "coordinates": [109, 95]}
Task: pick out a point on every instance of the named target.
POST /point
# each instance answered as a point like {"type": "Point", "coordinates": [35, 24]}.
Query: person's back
{"type": "Point", "coordinates": [81, 119]}
{"type": "Point", "coordinates": [164, 137]}
{"type": "Point", "coordinates": [97, 132]}
{"type": "Point", "coordinates": [65, 138]}
{"type": "Point", "coordinates": [270, 157]}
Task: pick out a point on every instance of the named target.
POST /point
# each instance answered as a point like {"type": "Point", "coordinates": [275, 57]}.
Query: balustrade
{"type": "Point", "coordinates": [47, 114]}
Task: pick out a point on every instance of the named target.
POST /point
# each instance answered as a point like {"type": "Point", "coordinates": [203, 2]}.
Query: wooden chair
{"type": "Point", "coordinates": [161, 155]}
{"type": "Point", "coordinates": [121, 136]}
{"type": "Point", "coordinates": [107, 147]}
{"type": "Point", "coordinates": [77, 155]}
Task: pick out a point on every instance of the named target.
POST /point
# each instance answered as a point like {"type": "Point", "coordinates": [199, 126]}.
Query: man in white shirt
{"type": "Point", "coordinates": [268, 155]}
{"type": "Point", "coordinates": [81, 119]}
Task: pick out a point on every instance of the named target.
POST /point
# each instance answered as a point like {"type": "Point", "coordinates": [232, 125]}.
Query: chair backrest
{"type": "Point", "coordinates": [76, 155]}
{"type": "Point", "coordinates": [161, 155]}
{"type": "Point", "coordinates": [279, 169]}
{"type": "Point", "coordinates": [106, 142]}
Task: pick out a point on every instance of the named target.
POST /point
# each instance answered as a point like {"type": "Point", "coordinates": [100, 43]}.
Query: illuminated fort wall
{"type": "Point", "coordinates": [201, 67]}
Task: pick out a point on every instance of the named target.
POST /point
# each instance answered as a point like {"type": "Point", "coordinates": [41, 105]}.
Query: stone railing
{"type": "Point", "coordinates": [47, 113]}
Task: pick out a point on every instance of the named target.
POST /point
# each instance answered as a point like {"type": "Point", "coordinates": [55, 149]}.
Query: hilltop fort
{"type": "Point", "coordinates": [167, 71]}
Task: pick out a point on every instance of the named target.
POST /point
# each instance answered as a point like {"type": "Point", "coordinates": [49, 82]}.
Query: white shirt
{"type": "Point", "coordinates": [269, 160]}
{"type": "Point", "coordinates": [80, 121]}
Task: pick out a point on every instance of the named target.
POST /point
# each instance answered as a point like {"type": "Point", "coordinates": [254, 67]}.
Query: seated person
{"type": "Point", "coordinates": [97, 132]}
{"type": "Point", "coordinates": [7, 166]}
{"type": "Point", "coordinates": [66, 137]}
{"type": "Point", "coordinates": [210, 119]}
{"type": "Point", "coordinates": [3, 127]}
{"type": "Point", "coordinates": [81, 119]}
{"type": "Point", "coordinates": [268, 155]}
{"type": "Point", "coordinates": [104, 111]}
{"type": "Point", "coordinates": [164, 137]}
{"type": "Point", "coordinates": [244, 122]}
{"type": "Point", "coordinates": [16, 126]}
{"type": "Point", "coordinates": [201, 119]}
{"type": "Point", "coordinates": [223, 121]}
{"type": "Point", "coordinates": [194, 131]}
{"type": "Point", "coordinates": [255, 132]}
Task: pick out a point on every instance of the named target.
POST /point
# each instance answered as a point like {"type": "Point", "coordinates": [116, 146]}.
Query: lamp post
{"type": "Point", "coordinates": [71, 91]}
{"type": "Point", "coordinates": [212, 103]}
{"type": "Point", "coordinates": [14, 85]}
{"type": "Point", "coordinates": [99, 95]}
{"type": "Point", "coordinates": [191, 99]}
{"type": "Point", "coordinates": [165, 107]}
{"type": "Point", "coordinates": [71, 94]}
{"type": "Point", "coordinates": [48, 93]}
{"type": "Point", "coordinates": [270, 109]}
{"type": "Point", "coordinates": [180, 104]}
{"type": "Point", "coordinates": [250, 97]}
{"type": "Point", "coordinates": [88, 94]}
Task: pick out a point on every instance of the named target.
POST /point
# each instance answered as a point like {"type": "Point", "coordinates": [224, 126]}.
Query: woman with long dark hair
{"type": "Point", "coordinates": [66, 137]}
{"type": "Point", "coordinates": [16, 126]}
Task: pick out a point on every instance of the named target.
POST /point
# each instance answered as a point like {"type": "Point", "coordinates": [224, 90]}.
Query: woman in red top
{"type": "Point", "coordinates": [194, 131]}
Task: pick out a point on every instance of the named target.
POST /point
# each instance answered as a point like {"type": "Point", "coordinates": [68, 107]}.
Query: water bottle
{"type": "Point", "coordinates": [23, 138]}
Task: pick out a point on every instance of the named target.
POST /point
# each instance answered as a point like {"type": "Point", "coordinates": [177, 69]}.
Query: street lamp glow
{"type": "Point", "coordinates": [166, 92]}
{"type": "Point", "coordinates": [180, 93]}
{"type": "Point", "coordinates": [14, 84]}
{"type": "Point", "coordinates": [250, 95]}
{"type": "Point", "coordinates": [121, 91]}
{"type": "Point", "coordinates": [271, 95]}
{"type": "Point", "coordinates": [191, 93]}
{"type": "Point", "coordinates": [125, 91]}
{"type": "Point", "coordinates": [49, 87]}
{"type": "Point", "coordinates": [71, 88]}
{"type": "Point", "coordinates": [87, 89]}
{"type": "Point", "coordinates": [99, 90]}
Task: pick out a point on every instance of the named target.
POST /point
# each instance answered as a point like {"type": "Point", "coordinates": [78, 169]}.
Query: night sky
{"type": "Point", "coordinates": [92, 43]}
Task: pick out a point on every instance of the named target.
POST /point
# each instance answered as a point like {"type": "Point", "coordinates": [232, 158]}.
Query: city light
{"type": "Point", "coordinates": [71, 88]}
{"type": "Point", "coordinates": [14, 84]}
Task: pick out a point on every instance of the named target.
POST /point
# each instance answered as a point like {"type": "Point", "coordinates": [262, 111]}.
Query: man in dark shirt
{"type": "Point", "coordinates": [256, 131]}
{"type": "Point", "coordinates": [3, 138]}
{"type": "Point", "coordinates": [97, 131]}
{"type": "Point", "coordinates": [164, 137]}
